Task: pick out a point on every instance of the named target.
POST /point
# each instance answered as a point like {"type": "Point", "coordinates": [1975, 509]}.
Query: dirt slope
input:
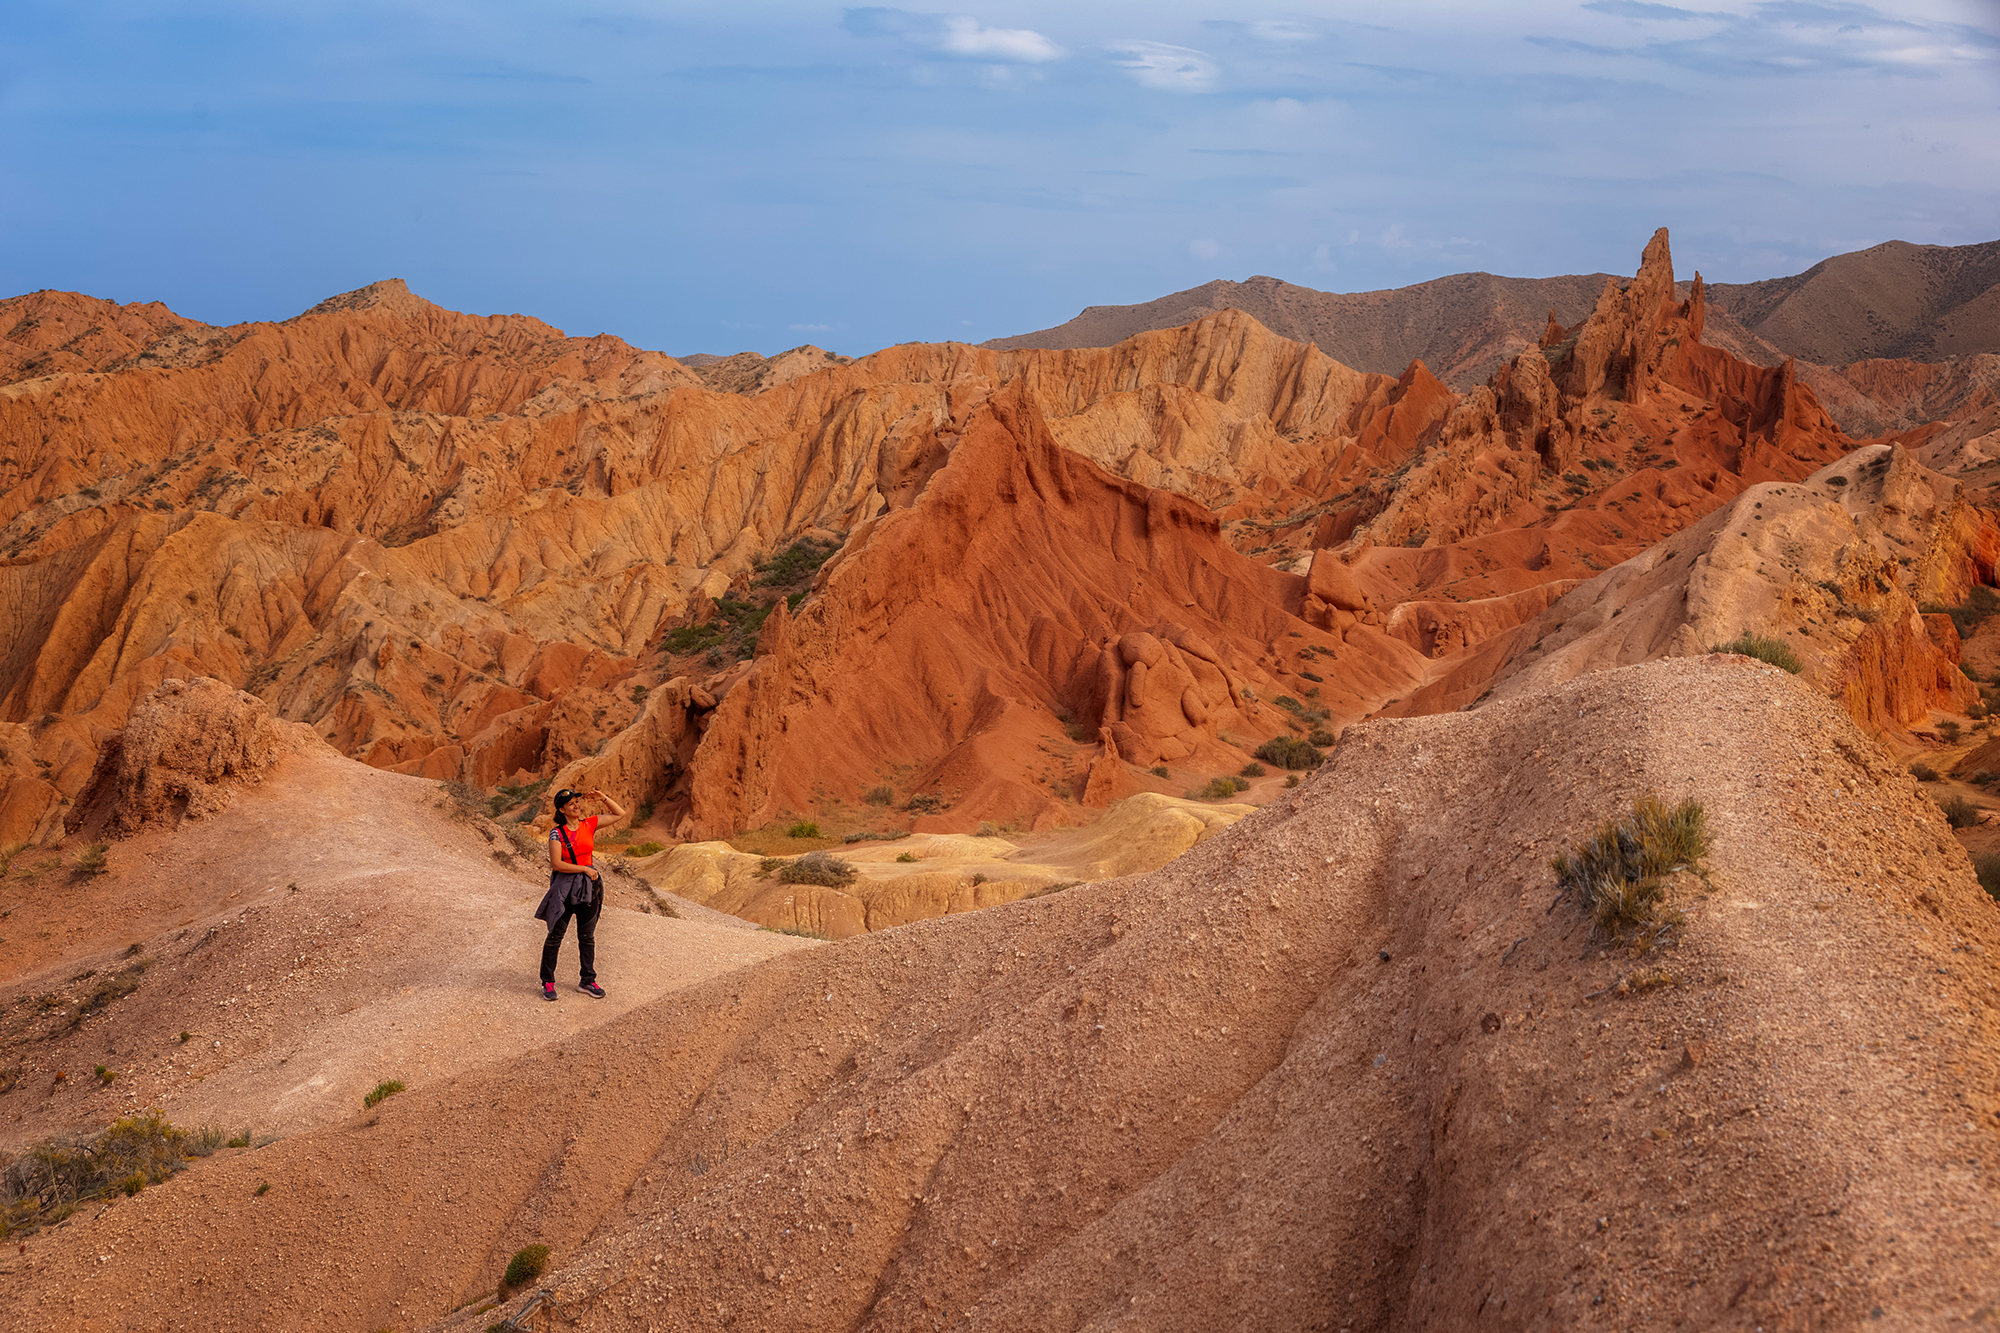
{"type": "Point", "coordinates": [320, 927]}
{"type": "Point", "coordinates": [1340, 1066]}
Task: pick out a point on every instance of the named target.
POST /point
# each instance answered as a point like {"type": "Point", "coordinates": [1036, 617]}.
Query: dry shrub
{"type": "Point", "coordinates": [1289, 752]}
{"type": "Point", "coordinates": [822, 868]}
{"type": "Point", "coordinates": [1615, 873]}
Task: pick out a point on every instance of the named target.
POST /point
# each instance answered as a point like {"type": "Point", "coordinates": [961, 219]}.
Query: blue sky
{"type": "Point", "coordinates": [760, 174]}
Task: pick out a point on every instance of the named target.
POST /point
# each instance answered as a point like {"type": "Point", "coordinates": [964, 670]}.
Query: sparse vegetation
{"type": "Point", "coordinates": [1949, 729]}
{"type": "Point", "coordinates": [1923, 772]}
{"type": "Point", "coordinates": [1615, 873]}
{"type": "Point", "coordinates": [528, 1263]}
{"type": "Point", "coordinates": [509, 797]}
{"type": "Point", "coordinates": [1159, 771]}
{"type": "Point", "coordinates": [646, 849]}
{"type": "Point", "coordinates": [105, 1076]}
{"type": "Point", "coordinates": [1320, 736]}
{"type": "Point", "coordinates": [879, 796]}
{"type": "Point", "coordinates": [1289, 752]}
{"type": "Point", "coordinates": [804, 828]}
{"type": "Point", "coordinates": [907, 857]}
{"type": "Point", "coordinates": [1291, 779]}
{"type": "Point", "coordinates": [822, 868]}
{"type": "Point", "coordinates": [1986, 865]}
{"type": "Point", "coordinates": [382, 1092]}
{"type": "Point", "coordinates": [1253, 769]}
{"type": "Point", "coordinates": [926, 803]}
{"type": "Point", "coordinates": [987, 829]}
{"type": "Point", "coordinates": [1959, 812]}
{"type": "Point", "coordinates": [1219, 789]}
{"type": "Point", "coordinates": [1764, 649]}
{"type": "Point", "coordinates": [91, 861]}
{"type": "Point", "coordinates": [800, 560]}
{"type": "Point", "coordinates": [1979, 606]}
{"type": "Point", "coordinates": [47, 1183]}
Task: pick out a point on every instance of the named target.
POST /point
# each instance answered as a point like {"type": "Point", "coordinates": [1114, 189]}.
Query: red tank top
{"type": "Point", "coordinates": [582, 835]}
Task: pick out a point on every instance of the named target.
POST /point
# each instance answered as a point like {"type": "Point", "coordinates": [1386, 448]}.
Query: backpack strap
{"type": "Point", "coordinates": [568, 846]}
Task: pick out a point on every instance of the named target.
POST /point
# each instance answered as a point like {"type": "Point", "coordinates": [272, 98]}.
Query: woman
{"type": "Point", "coordinates": [576, 889]}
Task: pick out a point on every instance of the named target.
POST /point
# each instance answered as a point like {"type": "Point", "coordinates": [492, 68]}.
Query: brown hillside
{"type": "Point", "coordinates": [1918, 302]}
{"type": "Point", "coordinates": [1346, 1064]}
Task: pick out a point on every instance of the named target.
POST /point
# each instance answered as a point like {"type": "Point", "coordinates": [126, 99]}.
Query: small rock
{"type": "Point", "coordinates": [1383, 954]}
{"type": "Point", "coordinates": [1692, 1057]}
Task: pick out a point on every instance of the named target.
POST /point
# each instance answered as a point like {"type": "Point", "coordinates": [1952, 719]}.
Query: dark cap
{"type": "Point", "coordinates": [565, 796]}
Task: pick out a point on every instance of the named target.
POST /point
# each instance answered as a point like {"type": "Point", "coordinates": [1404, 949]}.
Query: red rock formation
{"type": "Point", "coordinates": [1022, 585]}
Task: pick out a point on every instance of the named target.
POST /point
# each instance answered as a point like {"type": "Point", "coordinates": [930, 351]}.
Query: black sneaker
{"type": "Point", "coordinates": [549, 990]}
{"type": "Point", "coordinates": [587, 987]}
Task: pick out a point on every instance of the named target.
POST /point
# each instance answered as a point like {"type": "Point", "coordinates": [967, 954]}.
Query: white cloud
{"type": "Point", "coordinates": [967, 37]}
{"type": "Point", "coordinates": [1204, 249]}
{"type": "Point", "coordinates": [1276, 30]}
{"type": "Point", "coordinates": [1177, 69]}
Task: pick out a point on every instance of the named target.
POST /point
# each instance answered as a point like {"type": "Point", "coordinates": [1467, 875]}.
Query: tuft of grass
{"type": "Point", "coordinates": [91, 861]}
{"type": "Point", "coordinates": [1764, 649]}
{"type": "Point", "coordinates": [1159, 771]}
{"type": "Point", "coordinates": [263, 1188]}
{"type": "Point", "coordinates": [879, 796]}
{"type": "Point", "coordinates": [240, 1141]}
{"type": "Point", "coordinates": [1253, 769]}
{"type": "Point", "coordinates": [987, 829]}
{"type": "Point", "coordinates": [1923, 772]}
{"type": "Point", "coordinates": [1289, 752]}
{"type": "Point", "coordinates": [822, 868]}
{"type": "Point", "coordinates": [799, 932]}
{"type": "Point", "coordinates": [528, 1263]}
{"type": "Point", "coordinates": [805, 828]}
{"type": "Point", "coordinates": [1959, 812]}
{"type": "Point", "coordinates": [382, 1092]}
{"type": "Point", "coordinates": [1615, 873]}
{"type": "Point", "coordinates": [1986, 865]}
{"type": "Point", "coordinates": [907, 857]}
{"type": "Point", "coordinates": [646, 849]}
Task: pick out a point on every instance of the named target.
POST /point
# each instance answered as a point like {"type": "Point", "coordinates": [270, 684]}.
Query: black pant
{"type": "Point", "coordinates": [586, 940]}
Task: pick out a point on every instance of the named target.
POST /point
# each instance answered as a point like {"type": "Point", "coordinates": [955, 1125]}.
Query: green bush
{"type": "Point", "coordinates": [798, 561]}
{"type": "Point", "coordinates": [879, 796]}
{"type": "Point", "coordinates": [1923, 772]}
{"type": "Point", "coordinates": [1219, 789]}
{"type": "Point", "coordinates": [382, 1092]}
{"type": "Point", "coordinates": [1320, 736]}
{"type": "Point", "coordinates": [1764, 649]}
{"type": "Point", "coordinates": [805, 828]}
{"type": "Point", "coordinates": [1289, 752]}
{"type": "Point", "coordinates": [1253, 769]}
{"type": "Point", "coordinates": [527, 1264]}
{"type": "Point", "coordinates": [1615, 873]}
{"type": "Point", "coordinates": [1291, 779]}
{"type": "Point", "coordinates": [1159, 771]}
{"type": "Point", "coordinates": [1949, 729]}
{"type": "Point", "coordinates": [646, 849]}
{"type": "Point", "coordinates": [907, 857]}
{"type": "Point", "coordinates": [822, 868]}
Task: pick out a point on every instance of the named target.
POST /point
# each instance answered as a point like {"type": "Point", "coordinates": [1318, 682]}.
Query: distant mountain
{"type": "Point", "coordinates": [1462, 328]}
{"type": "Point", "coordinates": [1917, 302]}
